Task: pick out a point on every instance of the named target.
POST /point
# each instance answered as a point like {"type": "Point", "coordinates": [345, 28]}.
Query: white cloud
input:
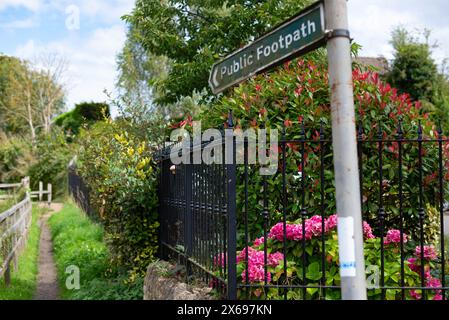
{"type": "Point", "coordinates": [106, 11]}
{"type": "Point", "coordinates": [371, 26]}
{"type": "Point", "coordinates": [112, 10]}
{"type": "Point", "coordinates": [18, 24]}
{"type": "Point", "coordinates": [372, 21]}
{"type": "Point", "coordinates": [33, 5]}
{"type": "Point", "coordinates": [92, 67]}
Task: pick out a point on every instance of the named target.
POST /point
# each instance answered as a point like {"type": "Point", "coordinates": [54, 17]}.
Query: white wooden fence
{"type": "Point", "coordinates": [12, 187]}
{"type": "Point", "coordinates": [39, 194]}
{"type": "Point", "coordinates": [9, 190]}
{"type": "Point", "coordinates": [14, 229]}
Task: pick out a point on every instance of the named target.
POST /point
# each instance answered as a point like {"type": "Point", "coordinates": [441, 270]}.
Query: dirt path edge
{"type": "Point", "coordinates": [47, 280]}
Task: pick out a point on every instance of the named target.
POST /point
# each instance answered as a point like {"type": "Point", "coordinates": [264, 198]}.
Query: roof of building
{"type": "Point", "coordinates": [379, 63]}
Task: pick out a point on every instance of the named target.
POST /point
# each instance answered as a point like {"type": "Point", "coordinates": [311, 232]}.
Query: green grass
{"type": "Point", "coordinates": [6, 204]}
{"type": "Point", "coordinates": [23, 281]}
{"type": "Point", "coordinates": [79, 242]}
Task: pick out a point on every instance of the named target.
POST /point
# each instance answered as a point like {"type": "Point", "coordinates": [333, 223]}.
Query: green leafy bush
{"type": "Point", "coordinates": [120, 173]}
{"type": "Point", "coordinates": [52, 155]}
{"type": "Point", "coordinates": [112, 288]}
{"type": "Point", "coordinates": [15, 158]}
{"type": "Point", "coordinates": [46, 161]}
{"type": "Point", "coordinates": [84, 113]}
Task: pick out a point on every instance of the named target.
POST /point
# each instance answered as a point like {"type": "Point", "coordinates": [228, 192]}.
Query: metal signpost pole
{"type": "Point", "coordinates": [300, 34]}
{"type": "Point", "coordinates": [350, 231]}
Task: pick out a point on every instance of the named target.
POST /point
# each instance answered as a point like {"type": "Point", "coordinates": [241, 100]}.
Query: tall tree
{"type": "Point", "coordinates": [9, 67]}
{"type": "Point", "coordinates": [20, 96]}
{"type": "Point", "coordinates": [31, 94]}
{"type": "Point", "coordinates": [50, 88]}
{"type": "Point", "coordinates": [139, 75]}
{"type": "Point", "coordinates": [413, 69]}
{"type": "Point", "coordinates": [193, 34]}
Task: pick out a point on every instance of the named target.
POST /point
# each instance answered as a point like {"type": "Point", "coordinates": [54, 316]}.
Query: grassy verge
{"type": "Point", "coordinates": [6, 204]}
{"type": "Point", "coordinates": [79, 242]}
{"type": "Point", "coordinates": [23, 281]}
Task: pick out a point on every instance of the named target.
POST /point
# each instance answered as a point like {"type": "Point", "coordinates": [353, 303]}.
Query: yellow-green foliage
{"type": "Point", "coordinates": [432, 225]}
{"type": "Point", "coordinates": [120, 173]}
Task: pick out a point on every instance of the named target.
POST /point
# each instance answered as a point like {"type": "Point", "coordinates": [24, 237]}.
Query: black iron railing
{"type": "Point", "coordinates": [79, 190]}
{"type": "Point", "coordinates": [197, 214]}
{"type": "Point", "coordinates": [211, 215]}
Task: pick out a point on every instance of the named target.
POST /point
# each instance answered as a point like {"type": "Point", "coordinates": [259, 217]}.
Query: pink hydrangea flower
{"type": "Point", "coordinates": [256, 273]}
{"type": "Point", "coordinates": [431, 283]}
{"type": "Point", "coordinates": [415, 295]}
{"type": "Point", "coordinates": [438, 296]}
{"type": "Point", "coordinates": [434, 283]}
{"type": "Point", "coordinates": [259, 241]}
{"type": "Point", "coordinates": [367, 231]}
{"type": "Point", "coordinates": [429, 253]}
{"type": "Point", "coordinates": [394, 236]}
{"type": "Point", "coordinates": [256, 264]}
{"type": "Point", "coordinates": [220, 260]}
{"type": "Point", "coordinates": [242, 255]}
{"type": "Point", "coordinates": [331, 223]}
{"type": "Point", "coordinates": [293, 232]}
{"type": "Point", "coordinates": [254, 256]}
{"type": "Point", "coordinates": [413, 266]}
{"type": "Point", "coordinates": [314, 226]}
{"type": "Point", "coordinates": [275, 258]}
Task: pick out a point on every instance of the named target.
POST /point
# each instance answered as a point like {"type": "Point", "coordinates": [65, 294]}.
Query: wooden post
{"type": "Point", "coordinates": [26, 183]}
{"type": "Point", "coordinates": [8, 275]}
{"type": "Point", "coordinates": [15, 259]}
{"type": "Point", "coordinates": [41, 190]}
{"type": "Point", "coordinates": [49, 195]}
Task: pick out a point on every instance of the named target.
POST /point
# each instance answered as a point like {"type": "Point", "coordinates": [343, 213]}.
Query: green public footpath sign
{"type": "Point", "coordinates": [300, 34]}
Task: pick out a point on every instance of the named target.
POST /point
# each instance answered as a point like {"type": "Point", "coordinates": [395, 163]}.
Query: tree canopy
{"type": "Point", "coordinates": [30, 97]}
{"type": "Point", "coordinates": [414, 71]}
{"type": "Point", "coordinates": [84, 113]}
{"type": "Point", "coordinates": [193, 34]}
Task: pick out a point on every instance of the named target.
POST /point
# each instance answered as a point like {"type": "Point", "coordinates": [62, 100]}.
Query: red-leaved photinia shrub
{"type": "Point", "coordinates": [296, 95]}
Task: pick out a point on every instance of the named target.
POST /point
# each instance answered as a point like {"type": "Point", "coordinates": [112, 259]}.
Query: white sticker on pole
{"type": "Point", "coordinates": [346, 246]}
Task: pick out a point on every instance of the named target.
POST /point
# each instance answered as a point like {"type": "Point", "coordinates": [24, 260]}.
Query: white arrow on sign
{"type": "Point", "coordinates": [214, 78]}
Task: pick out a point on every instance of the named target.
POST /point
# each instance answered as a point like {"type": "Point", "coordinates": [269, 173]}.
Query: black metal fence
{"type": "Point", "coordinates": [198, 222]}
{"type": "Point", "coordinates": [78, 190]}
{"type": "Point", "coordinates": [274, 237]}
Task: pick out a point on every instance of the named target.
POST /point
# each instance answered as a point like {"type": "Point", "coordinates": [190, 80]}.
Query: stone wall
{"type": "Point", "coordinates": [163, 282]}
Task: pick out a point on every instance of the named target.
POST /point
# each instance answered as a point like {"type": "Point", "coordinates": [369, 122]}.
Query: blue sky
{"type": "Point", "coordinates": [31, 27]}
